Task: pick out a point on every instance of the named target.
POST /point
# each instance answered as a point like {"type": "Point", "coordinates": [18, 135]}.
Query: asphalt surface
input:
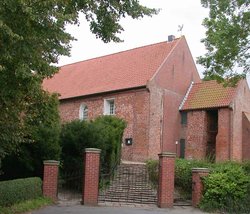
{"type": "Point", "coordinates": [79, 209]}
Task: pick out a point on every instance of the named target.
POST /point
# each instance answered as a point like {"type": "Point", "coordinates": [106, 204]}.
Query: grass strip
{"type": "Point", "coordinates": [26, 206]}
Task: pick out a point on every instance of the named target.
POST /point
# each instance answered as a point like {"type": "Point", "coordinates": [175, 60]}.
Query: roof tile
{"type": "Point", "coordinates": [209, 94]}
{"type": "Point", "coordinates": [123, 70]}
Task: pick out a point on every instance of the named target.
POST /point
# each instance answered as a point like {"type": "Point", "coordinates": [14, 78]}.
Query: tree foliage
{"type": "Point", "coordinates": [43, 121]}
{"type": "Point", "coordinates": [32, 37]}
{"type": "Point", "coordinates": [227, 40]}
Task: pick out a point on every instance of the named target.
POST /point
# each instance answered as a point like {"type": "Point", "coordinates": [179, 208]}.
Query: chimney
{"type": "Point", "coordinates": [171, 38]}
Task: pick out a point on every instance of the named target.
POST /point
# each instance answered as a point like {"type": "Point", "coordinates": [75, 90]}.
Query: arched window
{"type": "Point", "coordinates": [83, 112]}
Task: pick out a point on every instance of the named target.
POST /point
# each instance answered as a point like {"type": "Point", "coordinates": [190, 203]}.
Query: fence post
{"type": "Point", "coordinates": [166, 180]}
{"type": "Point", "coordinates": [197, 185]}
{"type": "Point", "coordinates": [91, 176]}
{"type": "Point", "coordinates": [50, 179]}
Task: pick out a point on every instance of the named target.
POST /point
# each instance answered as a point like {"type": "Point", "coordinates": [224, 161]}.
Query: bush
{"type": "Point", "coordinates": [183, 174]}
{"type": "Point", "coordinates": [104, 133]}
{"type": "Point", "coordinates": [18, 190]}
{"type": "Point", "coordinates": [225, 188]}
{"type": "Point", "coordinates": [246, 167]}
{"type": "Point", "coordinates": [153, 171]}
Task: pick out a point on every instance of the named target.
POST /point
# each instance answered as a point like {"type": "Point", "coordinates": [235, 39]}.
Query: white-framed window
{"type": "Point", "coordinates": [83, 112]}
{"type": "Point", "coordinates": [109, 106]}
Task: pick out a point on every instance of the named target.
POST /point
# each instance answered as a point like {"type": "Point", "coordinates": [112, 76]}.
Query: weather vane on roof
{"type": "Point", "coordinates": [180, 27]}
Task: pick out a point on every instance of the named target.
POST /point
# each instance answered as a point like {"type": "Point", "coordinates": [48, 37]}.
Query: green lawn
{"type": "Point", "coordinates": [26, 206]}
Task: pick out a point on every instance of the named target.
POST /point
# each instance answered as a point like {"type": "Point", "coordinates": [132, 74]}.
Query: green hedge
{"type": "Point", "coordinates": [104, 133]}
{"type": "Point", "coordinates": [18, 190]}
{"type": "Point", "coordinates": [183, 174]}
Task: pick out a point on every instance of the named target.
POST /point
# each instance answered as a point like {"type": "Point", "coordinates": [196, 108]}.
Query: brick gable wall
{"type": "Point", "coordinates": [167, 90]}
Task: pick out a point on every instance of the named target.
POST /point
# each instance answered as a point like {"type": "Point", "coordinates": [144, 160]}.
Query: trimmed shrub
{"type": "Point", "coordinates": [225, 188]}
{"type": "Point", "coordinates": [104, 133]}
{"type": "Point", "coordinates": [18, 190]}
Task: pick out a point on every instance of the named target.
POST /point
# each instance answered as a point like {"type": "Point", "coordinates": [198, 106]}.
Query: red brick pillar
{"type": "Point", "coordinates": [166, 180]}
{"type": "Point", "coordinates": [50, 179]}
{"type": "Point", "coordinates": [197, 185]}
{"type": "Point", "coordinates": [91, 176]}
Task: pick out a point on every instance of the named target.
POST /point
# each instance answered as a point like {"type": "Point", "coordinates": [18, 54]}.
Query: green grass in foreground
{"type": "Point", "coordinates": [26, 206]}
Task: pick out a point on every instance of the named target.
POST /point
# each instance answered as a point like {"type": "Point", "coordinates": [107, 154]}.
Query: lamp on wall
{"type": "Point", "coordinates": [176, 146]}
{"type": "Point", "coordinates": [128, 141]}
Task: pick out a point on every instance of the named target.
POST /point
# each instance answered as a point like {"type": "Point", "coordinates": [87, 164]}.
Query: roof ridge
{"type": "Point", "coordinates": [119, 52]}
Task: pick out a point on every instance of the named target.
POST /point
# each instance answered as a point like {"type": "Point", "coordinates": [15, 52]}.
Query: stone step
{"type": "Point", "coordinates": [130, 184]}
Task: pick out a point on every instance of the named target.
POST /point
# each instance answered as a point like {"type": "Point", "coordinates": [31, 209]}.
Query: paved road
{"type": "Point", "coordinates": [79, 209]}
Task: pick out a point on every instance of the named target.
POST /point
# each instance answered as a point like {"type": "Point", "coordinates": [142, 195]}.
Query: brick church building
{"type": "Point", "coordinates": [154, 88]}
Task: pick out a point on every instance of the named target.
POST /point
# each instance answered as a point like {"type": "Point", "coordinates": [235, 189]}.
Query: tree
{"type": "Point", "coordinates": [43, 120]}
{"type": "Point", "coordinates": [227, 40]}
{"type": "Point", "coordinates": [32, 37]}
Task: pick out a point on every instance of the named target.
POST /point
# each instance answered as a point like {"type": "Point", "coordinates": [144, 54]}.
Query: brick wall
{"type": "Point", "coordinates": [196, 139]}
{"type": "Point", "coordinates": [166, 180]}
{"type": "Point", "coordinates": [241, 104]}
{"type": "Point", "coordinates": [197, 188]}
{"type": "Point", "coordinates": [223, 138]}
{"type": "Point", "coordinates": [50, 179]}
{"type": "Point", "coordinates": [91, 176]}
{"type": "Point", "coordinates": [132, 106]}
{"type": "Point", "coordinates": [167, 89]}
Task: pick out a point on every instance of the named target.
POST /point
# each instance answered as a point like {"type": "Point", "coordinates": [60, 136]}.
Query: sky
{"type": "Point", "coordinates": [145, 31]}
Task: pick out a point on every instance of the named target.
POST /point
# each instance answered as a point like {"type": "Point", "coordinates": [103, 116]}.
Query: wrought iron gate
{"type": "Point", "coordinates": [70, 186]}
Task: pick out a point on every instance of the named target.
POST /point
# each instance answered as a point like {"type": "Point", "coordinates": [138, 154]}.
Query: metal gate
{"type": "Point", "coordinates": [70, 187]}
{"type": "Point", "coordinates": [129, 184]}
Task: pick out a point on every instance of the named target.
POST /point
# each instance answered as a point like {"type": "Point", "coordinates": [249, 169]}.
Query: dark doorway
{"type": "Point", "coordinates": [212, 117]}
{"type": "Point", "coordinates": [182, 148]}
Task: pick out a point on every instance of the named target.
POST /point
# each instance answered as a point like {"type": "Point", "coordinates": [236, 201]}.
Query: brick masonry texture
{"type": "Point", "coordinates": [240, 104]}
{"type": "Point", "coordinates": [196, 135]}
{"type": "Point", "coordinates": [91, 178]}
{"type": "Point", "coordinates": [223, 137]}
{"type": "Point", "coordinates": [166, 181]}
{"type": "Point", "coordinates": [132, 106]}
{"type": "Point", "coordinates": [167, 90]}
{"type": "Point", "coordinates": [197, 186]}
{"type": "Point", "coordinates": [50, 180]}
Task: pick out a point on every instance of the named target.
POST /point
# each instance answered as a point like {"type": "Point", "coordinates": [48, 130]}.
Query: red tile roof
{"type": "Point", "coordinates": [208, 94]}
{"type": "Point", "coordinates": [123, 70]}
